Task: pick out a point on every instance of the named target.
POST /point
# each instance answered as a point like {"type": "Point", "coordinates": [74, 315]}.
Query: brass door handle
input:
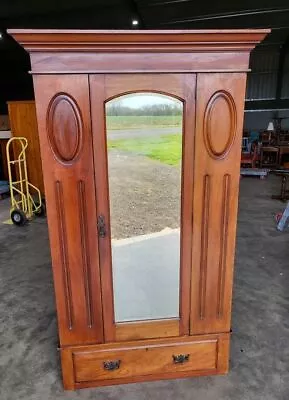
{"type": "Point", "coordinates": [180, 358]}
{"type": "Point", "coordinates": [111, 365]}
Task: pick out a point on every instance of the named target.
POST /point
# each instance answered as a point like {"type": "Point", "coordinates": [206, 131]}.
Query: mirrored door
{"type": "Point", "coordinates": [145, 210]}
{"type": "Point", "coordinates": [144, 144]}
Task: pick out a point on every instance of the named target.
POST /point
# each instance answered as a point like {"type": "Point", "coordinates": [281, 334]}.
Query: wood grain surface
{"type": "Point", "coordinates": [75, 73]}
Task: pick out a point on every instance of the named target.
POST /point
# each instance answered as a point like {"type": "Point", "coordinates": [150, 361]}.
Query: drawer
{"type": "Point", "coordinates": [144, 360]}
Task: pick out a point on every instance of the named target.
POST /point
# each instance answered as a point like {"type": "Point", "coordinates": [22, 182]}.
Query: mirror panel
{"type": "Point", "coordinates": [144, 141]}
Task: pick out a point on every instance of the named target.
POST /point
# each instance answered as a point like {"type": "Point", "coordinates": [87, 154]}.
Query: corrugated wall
{"type": "Point", "coordinates": [285, 82]}
{"type": "Point", "coordinates": [262, 81]}
{"type": "Point", "coordinates": [262, 85]}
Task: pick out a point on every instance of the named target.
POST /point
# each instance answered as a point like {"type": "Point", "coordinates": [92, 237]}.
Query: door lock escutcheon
{"type": "Point", "coordinates": [101, 228]}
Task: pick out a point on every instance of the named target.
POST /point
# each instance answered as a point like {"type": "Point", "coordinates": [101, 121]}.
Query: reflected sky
{"type": "Point", "coordinates": [140, 100]}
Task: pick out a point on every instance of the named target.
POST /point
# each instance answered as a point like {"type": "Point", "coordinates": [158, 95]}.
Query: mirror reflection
{"type": "Point", "coordinates": [144, 140]}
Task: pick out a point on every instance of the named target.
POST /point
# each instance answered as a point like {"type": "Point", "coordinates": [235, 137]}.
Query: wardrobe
{"type": "Point", "coordinates": [142, 240]}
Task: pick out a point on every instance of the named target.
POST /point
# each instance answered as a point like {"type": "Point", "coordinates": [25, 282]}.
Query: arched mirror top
{"type": "Point", "coordinates": [136, 99]}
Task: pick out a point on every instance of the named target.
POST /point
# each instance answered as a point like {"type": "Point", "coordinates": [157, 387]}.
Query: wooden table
{"type": "Point", "coordinates": [282, 150]}
{"type": "Point", "coordinates": [269, 151]}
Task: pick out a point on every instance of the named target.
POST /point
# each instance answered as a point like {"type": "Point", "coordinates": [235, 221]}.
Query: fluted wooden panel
{"type": "Point", "coordinates": [219, 121]}
{"type": "Point", "coordinates": [66, 146]}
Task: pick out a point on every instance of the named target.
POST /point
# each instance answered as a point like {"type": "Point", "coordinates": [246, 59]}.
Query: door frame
{"type": "Point", "coordinates": [104, 87]}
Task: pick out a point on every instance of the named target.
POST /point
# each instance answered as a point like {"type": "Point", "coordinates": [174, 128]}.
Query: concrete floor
{"type": "Point", "coordinates": [259, 369]}
{"type": "Point", "coordinates": [146, 271]}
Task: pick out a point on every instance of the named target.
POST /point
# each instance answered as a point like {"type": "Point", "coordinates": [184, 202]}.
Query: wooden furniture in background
{"type": "Point", "coordinates": [269, 156]}
{"type": "Point", "coordinates": [283, 138]}
{"type": "Point", "coordinates": [3, 160]}
{"type": "Point", "coordinates": [75, 73]}
{"type": "Point", "coordinates": [282, 150]}
{"type": "Point", "coordinates": [5, 135]}
{"type": "Point", "coordinates": [268, 138]}
{"type": "Point", "coordinates": [23, 122]}
{"type": "Point", "coordinates": [284, 191]}
{"type": "Point", "coordinates": [250, 158]}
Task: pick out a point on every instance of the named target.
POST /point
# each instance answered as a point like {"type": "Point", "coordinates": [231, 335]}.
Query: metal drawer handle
{"type": "Point", "coordinates": [180, 358]}
{"type": "Point", "coordinates": [111, 365]}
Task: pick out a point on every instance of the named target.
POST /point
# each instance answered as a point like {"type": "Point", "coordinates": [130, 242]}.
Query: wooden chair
{"type": "Point", "coordinates": [249, 159]}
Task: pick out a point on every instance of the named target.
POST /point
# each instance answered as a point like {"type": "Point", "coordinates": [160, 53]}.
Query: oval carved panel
{"type": "Point", "coordinates": [220, 124]}
{"type": "Point", "coordinates": [64, 127]}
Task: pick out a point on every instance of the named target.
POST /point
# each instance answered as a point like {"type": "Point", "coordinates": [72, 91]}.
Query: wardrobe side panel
{"type": "Point", "coordinates": [219, 124]}
{"type": "Point", "coordinates": [63, 113]}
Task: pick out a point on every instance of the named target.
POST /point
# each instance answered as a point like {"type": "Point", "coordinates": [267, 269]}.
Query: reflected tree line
{"type": "Point", "coordinates": [118, 109]}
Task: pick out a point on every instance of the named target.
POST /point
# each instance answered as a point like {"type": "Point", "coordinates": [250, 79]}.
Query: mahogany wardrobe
{"type": "Point", "coordinates": [142, 221]}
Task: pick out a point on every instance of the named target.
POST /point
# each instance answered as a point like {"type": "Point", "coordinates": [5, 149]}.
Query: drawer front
{"type": "Point", "coordinates": [144, 360]}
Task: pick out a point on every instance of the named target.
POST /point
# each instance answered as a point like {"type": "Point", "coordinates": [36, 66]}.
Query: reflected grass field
{"type": "Point", "coordinates": [164, 148]}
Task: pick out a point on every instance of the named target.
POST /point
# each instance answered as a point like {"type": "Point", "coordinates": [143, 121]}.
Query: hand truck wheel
{"type": "Point", "coordinates": [18, 217]}
{"type": "Point", "coordinates": [42, 210]}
